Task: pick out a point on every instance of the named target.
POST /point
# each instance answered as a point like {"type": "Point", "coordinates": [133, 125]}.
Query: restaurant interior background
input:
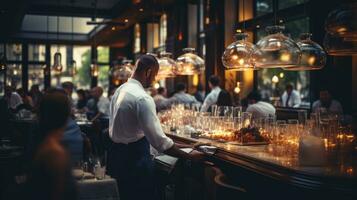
{"type": "Point", "coordinates": [96, 42]}
{"type": "Point", "coordinates": [33, 31]}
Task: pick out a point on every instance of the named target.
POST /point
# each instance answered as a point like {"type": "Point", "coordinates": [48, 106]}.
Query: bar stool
{"type": "Point", "coordinates": [226, 190]}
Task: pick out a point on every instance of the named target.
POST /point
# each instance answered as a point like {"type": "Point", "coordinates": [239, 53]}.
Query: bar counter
{"type": "Point", "coordinates": [263, 174]}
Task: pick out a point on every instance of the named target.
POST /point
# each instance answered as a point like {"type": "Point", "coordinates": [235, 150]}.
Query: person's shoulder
{"type": "Point", "coordinates": [316, 103]}
{"type": "Point", "coordinates": [52, 155]}
{"type": "Point", "coordinates": [334, 101]}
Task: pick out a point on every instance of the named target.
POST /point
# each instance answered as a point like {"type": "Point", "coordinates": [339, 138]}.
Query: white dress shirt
{"type": "Point", "coordinates": [161, 102]}
{"type": "Point", "coordinates": [183, 98]}
{"type": "Point", "coordinates": [133, 116]}
{"type": "Point", "coordinates": [294, 100]}
{"type": "Point", "coordinates": [211, 99]}
{"type": "Point", "coordinates": [15, 100]}
{"type": "Point", "coordinates": [261, 110]}
{"type": "Point", "coordinates": [335, 107]}
{"type": "Point", "coordinates": [103, 105]}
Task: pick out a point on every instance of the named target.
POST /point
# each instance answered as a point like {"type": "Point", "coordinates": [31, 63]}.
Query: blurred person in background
{"type": "Point", "coordinates": [68, 88]}
{"type": "Point", "coordinates": [98, 105]}
{"type": "Point", "coordinates": [258, 108]}
{"type": "Point", "coordinates": [82, 100]}
{"type": "Point", "coordinates": [36, 95]}
{"type": "Point", "coordinates": [50, 175]}
{"type": "Point", "coordinates": [200, 93]}
{"type": "Point", "coordinates": [181, 96]}
{"type": "Point", "coordinates": [160, 99]}
{"type": "Point", "coordinates": [224, 99]}
{"type": "Point", "coordinates": [212, 97]}
{"type": "Point", "coordinates": [290, 98]}
{"type": "Point", "coordinates": [328, 103]}
{"type": "Point", "coordinates": [26, 99]}
{"type": "Point", "coordinates": [12, 98]}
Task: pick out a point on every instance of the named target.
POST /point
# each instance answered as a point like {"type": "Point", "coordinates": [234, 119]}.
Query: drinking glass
{"type": "Point", "coordinates": [228, 111]}
{"type": "Point", "coordinates": [237, 111]}
{"type": "Point", "coordinates": [214, 110]}
{"type": "Point", "coordinates": [246, 119]}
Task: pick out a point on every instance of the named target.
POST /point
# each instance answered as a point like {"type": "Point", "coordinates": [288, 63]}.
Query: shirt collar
{"type": "Point", "coordinates": [134, 81]}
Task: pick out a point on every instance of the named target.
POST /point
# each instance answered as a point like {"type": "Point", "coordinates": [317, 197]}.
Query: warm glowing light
{"type": "Point", "coordinates": [141, 9]}
{"type": "Point", "coordinates": [126, 20]}
{"type": "Point", "coordinates": [342, 29]}
{"type": "Point", "coordinates": [234, 57]}
{"type": "Point", "coordinates": [241, 61]}
{"type": "Point", "coordinates": [311, 60]}
{"type": "Point", "coordinates": [113, 28]}
{"type": "Point", "coordinates": [237, 90]}
{"type": "Point", "coordinates": [156, 85]}
{"type": "Point", "coordinates": [15, 72]}
{"type": "Point", "coordinates": [285, 57]}
{"type": "Point", "coordinates": [195, 80]}
{"type": "Point", "coordinates": [275, 79]}
{"type": "Point", "coordinates": [238, 30]}
{"type": "Point", "coordinates": [281, 75]}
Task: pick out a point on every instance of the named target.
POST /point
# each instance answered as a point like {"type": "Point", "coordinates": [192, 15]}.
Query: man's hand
{"type": "Point", "coordinates": [198, 144]}
{"type": "Point", "coordinates": [196, 156]}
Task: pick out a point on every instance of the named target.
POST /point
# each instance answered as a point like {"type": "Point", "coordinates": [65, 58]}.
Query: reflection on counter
{"type": "Point", "coordinates": [317, 146]}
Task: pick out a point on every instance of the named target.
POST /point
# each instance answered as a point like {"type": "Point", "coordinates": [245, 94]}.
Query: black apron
{"type": "Point", "coordinates": [132, 167]}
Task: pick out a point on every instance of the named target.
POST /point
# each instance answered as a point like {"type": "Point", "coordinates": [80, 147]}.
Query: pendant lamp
{"type": "Point", "coordinates": [189, 63]}
{"type": "Point", "coordinates": [276, 50]}
{"type": "Point", "coordinates": [167, 66]}
{"type": "Point", "coordinates": [239, 56]}
{"type": "Point", "coordinates": [313, 57]}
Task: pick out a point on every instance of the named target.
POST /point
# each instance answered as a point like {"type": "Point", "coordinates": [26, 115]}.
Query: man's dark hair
{"type": "Point", "coordinates": [254, 95]}
{"type": "Point", "coordinates": [180, 87]}
{"type": "Point", "coordinates": [289, 86]}
{"type": "Point", "coordinates": [145, 62]}
{"type": "Point", "coordinates": [160, 90]}
{"type": "Point", "coordinates": [67, 85]}
{"type": "Point", "coordinates": [54, 110]}
{"type": "Point", "coordinates": [214, 80]}
{"type": "Point", "coordinates": [224, 99]}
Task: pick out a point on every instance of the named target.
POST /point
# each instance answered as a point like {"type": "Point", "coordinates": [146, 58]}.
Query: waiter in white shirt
{"type": "Point", "coordinates": [290, 98]}
{"type": "Point", "coordinates": [133, 127]}
{"type": "Point", "coordinates": [258, 108]}
{"type": "Point", "coordinates": [212, 97]}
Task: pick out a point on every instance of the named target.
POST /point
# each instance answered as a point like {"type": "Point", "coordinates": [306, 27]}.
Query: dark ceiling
{"type": "Point", "coordinates": [12, 13]}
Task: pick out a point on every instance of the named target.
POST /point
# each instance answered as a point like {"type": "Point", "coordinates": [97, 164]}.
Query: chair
{"type": "Point", "coordinates": [227, 190]}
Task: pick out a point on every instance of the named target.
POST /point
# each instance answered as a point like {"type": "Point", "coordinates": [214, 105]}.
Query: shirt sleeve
{"type": "Point", "coordinates": [150, 124]}
{"type": "Point", "coordinates": [103, 106]}
{"type": "Point", "coordinates": [207, 102]}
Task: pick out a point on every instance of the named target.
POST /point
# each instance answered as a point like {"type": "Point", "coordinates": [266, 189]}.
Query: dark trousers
{"type": "Point", "coordinates": [132, 167]}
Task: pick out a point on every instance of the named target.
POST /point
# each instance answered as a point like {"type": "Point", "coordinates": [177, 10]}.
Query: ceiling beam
{"type": "Point", "coordinates": [67, 11]}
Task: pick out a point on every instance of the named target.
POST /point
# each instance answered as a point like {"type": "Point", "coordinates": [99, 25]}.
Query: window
{"type": "Point", "coordinates": [263, 7]}
{"type": "Point", "coordinates": [103, 54]}
{"type": "Point", "coordinates": [289, 3]}
{"type": "Point", "coordinates": [163, 29]}
{"type": "Point", "coordinates": [14, 52]}
{"type": "Point", "coordinates": [137, 40]}
{"type": "Point", "coordinates": [82, 56]}
{"type": "Point", "coordinates": [103, 76]}
{"type": "Point", "coordinates": [14, 75]}
{"type": "Point", "coordinates": [37, 52]}
{"type": "Point", "coordinates": [36, 76]}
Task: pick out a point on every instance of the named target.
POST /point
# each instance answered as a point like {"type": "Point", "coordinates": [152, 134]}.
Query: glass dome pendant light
{"type": "Point", "coordinates": [313, 57]}
{"type": "Point", "coordinates": [276, 50]}
{"type": "Point", "coordinates": [57, 58]}
{"type": "Point", "coordinates": [341, 31]}
{"type": "Point", "coordinates": [238, 56]}
{"type": "Point", "coordinates": [189, 63]}
{"type": "Point", "coordinates": [122, 72]}
{"type": "Point", "coordinates": [167, 66]}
